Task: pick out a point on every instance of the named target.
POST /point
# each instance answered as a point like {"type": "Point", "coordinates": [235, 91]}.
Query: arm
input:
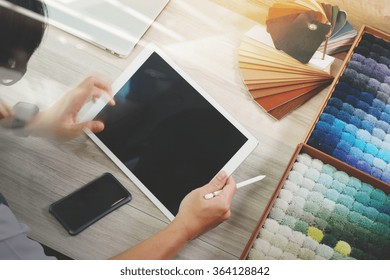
{"type": "Point", "coordinates": [196, 216]}
{"type": "Point", "coordinates": [14, 243]}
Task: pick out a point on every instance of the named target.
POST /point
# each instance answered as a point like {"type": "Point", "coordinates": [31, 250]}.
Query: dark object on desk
{"type": "Point", "coordinates": [3, 200]}
{"type": "Point", "coordinates": [51, 252]}
{"type": "Point", "coordinates": [90, 203]}
{"type": "Point", "coordinates": [299, 28]}
{"type": "Point", "coordinates": [299, 35]}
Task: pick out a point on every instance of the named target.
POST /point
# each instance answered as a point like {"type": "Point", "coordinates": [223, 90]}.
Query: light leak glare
{"type": "Point", "coordinates": [62, 40]}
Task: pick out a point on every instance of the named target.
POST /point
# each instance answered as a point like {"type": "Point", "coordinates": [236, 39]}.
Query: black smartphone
{"type": "Point", "coordinates": [85, 206]}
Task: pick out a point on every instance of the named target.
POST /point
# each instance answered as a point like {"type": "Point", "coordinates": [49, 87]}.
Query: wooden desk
{"type": "Point", "coordinates": [202, 38]}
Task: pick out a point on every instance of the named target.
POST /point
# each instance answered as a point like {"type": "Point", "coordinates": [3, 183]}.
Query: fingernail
{"type": "Point", "coordinates": [97, 127]}
{"type": "Point", "coordinates": [221, 175]}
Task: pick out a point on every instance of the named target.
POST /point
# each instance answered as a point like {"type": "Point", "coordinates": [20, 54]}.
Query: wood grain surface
{"type": "Point", "coordinates": [202, 38]}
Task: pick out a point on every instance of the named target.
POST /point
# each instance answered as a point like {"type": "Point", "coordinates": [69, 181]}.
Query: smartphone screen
{"type": "Point", "coordinates": [91, 202]}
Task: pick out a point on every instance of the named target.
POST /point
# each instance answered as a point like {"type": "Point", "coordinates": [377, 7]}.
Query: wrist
{"type": "Point", "coordinates": [183, 229]}
{"type": "Point", "coordinates": [180, 229]}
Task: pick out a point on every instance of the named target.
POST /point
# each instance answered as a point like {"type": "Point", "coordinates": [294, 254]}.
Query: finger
{"type": "Point", "coordinates": [106, 88]}
{"type": "Point", "coordinates": [111, 102]}
{"type": "Point", "coordinates": [91, 87]}
{"type": "Point", "coordinates": [102, 85]}
{"type": "Point", "coordinates": [4, 111]}
{"type": "Point", "coordinates": [216, 183]}
{"type": "Point", "coordinates": [99, 93]}
{"type": "Point", "coordinates": [94, 126]}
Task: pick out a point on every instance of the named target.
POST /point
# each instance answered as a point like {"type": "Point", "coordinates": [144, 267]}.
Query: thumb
{"type": "Point", "coordinates": [217, 183]}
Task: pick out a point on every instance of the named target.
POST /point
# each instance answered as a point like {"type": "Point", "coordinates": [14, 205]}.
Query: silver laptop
{"type": "Point", "coordinates": [114, 25]}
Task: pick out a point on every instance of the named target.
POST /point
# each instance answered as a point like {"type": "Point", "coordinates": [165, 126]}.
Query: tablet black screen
{"type": "Point", "coordinates": [166, 133]}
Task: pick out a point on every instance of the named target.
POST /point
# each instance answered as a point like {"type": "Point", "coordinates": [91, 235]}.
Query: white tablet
{"type": "Point", "coordinates": [165, 132]}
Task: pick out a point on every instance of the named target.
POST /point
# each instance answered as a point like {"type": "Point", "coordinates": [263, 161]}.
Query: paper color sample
{"type": "Point", "coordinates": [299, 35]}
{"type": "Point", "coordinates": [342, 34]}
{"type": "Point", "coordinates": [273, 101]}
{"type": "Point", "coordinates": [277, 82]}
{"type": "Point", "coordinates": [300, 27]}
{"type": "Point", "coordinates": [282, 110]}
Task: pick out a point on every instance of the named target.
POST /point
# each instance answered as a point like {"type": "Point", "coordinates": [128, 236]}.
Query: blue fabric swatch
{"type": "Point", "coordinates": [355, 124]}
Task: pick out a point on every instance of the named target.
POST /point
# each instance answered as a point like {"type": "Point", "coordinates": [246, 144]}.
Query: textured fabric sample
{"type": "Point", "coordinates": [344, 218]}
{"type": "Point", "coordinates": [355, 124]}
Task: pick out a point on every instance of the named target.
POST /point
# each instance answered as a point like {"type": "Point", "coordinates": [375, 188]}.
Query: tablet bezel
{"type": "Point", "coordinates": [94, 109]}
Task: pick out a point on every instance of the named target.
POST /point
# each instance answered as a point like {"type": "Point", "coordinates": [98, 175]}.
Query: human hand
{"type": "Point", "coordinates": [198, 215]}
{"type": "Point", "coordinates": [60, 120]}
{"type": "Point", "coordinates": [5, 111]}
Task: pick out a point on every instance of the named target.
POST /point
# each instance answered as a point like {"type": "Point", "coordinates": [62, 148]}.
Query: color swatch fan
{"type": "Point", "coordinates": [275, 80]}
{"type": "Point", "coordinates": [299, 27]}
{"type": "Point", "coordinates": [342, 32]}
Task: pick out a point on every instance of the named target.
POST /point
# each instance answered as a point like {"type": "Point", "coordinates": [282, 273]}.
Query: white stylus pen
{"type": "Point", "coordinates": [239, 185]}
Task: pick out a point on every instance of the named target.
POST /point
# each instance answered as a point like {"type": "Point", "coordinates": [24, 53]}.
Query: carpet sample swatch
{"type": "Point", "coordinates": [323, 213]}
{"type": "Point", "coordinates": [355, 124]}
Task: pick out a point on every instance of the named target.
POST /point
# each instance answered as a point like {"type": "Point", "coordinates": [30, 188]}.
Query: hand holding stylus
{"type": "Point", "coordinates": [239, 185]}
